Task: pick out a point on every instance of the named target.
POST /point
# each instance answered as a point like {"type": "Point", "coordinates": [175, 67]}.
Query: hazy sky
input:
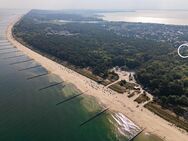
{"type": "Point", "coordinates": [95, 4]}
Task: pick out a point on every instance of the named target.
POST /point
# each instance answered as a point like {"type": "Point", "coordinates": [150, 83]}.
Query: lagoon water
{"type": "Point", "coordinates": [28, 114]}
{"type": "Point", "coordinates": [172, 17]}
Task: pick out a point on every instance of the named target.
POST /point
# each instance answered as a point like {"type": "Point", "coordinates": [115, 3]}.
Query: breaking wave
{"type": "Point", "coordinates": [125, 126]}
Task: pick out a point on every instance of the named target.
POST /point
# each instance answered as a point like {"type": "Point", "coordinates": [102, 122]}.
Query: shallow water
{"type": "Point", "coordinates": [32, 115]}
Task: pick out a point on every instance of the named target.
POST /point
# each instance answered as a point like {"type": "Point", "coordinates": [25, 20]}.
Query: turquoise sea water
{"type": "Point", "coordinates": [28, 114]}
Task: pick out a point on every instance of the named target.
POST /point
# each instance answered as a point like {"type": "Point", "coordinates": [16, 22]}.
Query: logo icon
{"type": "Point", "coordinates": [179, 48]}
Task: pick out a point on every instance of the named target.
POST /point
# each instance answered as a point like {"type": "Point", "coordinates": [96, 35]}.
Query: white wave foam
{"type": "Point", "coordinates": [124, 125]}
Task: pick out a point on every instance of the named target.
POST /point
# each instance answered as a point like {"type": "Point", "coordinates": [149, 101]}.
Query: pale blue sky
{"type": "Point", "coordinates": [95, 4]}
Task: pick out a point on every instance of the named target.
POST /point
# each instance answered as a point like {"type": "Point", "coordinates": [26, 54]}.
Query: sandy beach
{"type": "Point", "coordinates": [116, 102]}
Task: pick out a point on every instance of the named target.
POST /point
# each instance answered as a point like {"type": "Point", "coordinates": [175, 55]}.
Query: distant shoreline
{"type": "Point", "coordinates": [163, 17]}
{"type": "Point", "coordinates": [117, 102]}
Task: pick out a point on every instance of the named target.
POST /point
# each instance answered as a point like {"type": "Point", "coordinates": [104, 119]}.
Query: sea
{"type": "Point", "coordinates": [171, 17]}
{"type": "Point", "coordinates": [33, 108]}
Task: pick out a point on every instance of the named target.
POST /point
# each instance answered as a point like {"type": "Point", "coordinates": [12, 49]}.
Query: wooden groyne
{"type": "Point", "coordinates": [70, 98]}
{"type": "Point", "coordinates": [131, 139]}
{"type": "Point", "coordinates": [7, 48]}
{"type": "Point", "coordinates": [95, 116]}
{"type": "Point", "coordinates": [9, 52]}
{"type": "Point", "coordinates": [49, 86]}
{"type": "Point", "coordinates": [5, 44]}
{"type": "Point", "coordinates": [36, 76]}
{"type": "Point", "coordinates": [19, 62]}
{"type": "Point", "coordinates": [37, 66]}
{"type": "Point", "coordinates": [14, 56]}
{"type": "Point", "coordinates": [4, 41]}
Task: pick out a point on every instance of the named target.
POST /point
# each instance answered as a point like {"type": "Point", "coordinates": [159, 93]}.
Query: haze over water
{"type": "Point", "coordinates": [149, 16]}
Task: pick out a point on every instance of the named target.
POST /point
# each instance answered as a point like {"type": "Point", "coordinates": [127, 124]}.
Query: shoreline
{"type": "Point", "coordinates": [117, 102]}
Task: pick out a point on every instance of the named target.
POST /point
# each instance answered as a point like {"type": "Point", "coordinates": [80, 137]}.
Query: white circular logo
{"type": "Point", "coordinates": [179, 48]}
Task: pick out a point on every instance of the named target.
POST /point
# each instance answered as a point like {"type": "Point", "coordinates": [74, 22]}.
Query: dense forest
{"type": "Point", "coordinates": [89, 42]}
